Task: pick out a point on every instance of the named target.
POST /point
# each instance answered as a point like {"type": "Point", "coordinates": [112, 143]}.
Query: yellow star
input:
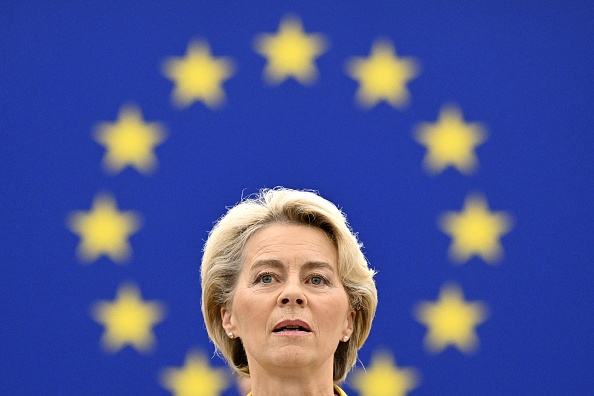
{"type": "Point", "coordinates": [451, 320]}
{"type": "Point", "coordinates": [196, 378]}
{"type": "Point", "coordinates": [382, 76]}
{"type": "Point", "coordinates": [290, 53]}
{"type": "Point", "coordinates": [198, 76]}
{"type": "Point", "coordinates": [475, 231]}
{"type": "Point", "coordinates": [103, 230]}
{"type": "Point", "coordinates": [450, 141]}
{"type": "Point", "coordinates": [383, 378]}
{"type": "Point", "coordinates": [128, 320]}
{"type": "Point", "coordinates": [130, 141]}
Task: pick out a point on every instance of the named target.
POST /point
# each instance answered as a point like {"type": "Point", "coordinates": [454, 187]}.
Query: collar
{"type": "Point", "coordinates": [337, 391]}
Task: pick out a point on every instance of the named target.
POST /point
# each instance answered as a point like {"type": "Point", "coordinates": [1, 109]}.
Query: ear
{"type": "Point", "coordinates": [227, 321]}
{"type": "Point", "coordinates": [350, 322]}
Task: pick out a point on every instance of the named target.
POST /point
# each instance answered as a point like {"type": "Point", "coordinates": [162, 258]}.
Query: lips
{"type": "Point", "coordinates": [292, 326]}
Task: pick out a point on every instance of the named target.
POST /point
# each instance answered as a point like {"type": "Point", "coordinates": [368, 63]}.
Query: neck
{"type": "Point", "coordinates": [293, 388]}
{"type": "Point", "coordinates": [291, 384]}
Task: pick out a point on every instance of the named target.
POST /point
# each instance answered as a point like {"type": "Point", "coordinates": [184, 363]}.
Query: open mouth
{"type": "Point", "coordinates": [290, 328]}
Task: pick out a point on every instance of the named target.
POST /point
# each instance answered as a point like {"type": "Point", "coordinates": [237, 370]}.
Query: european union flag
{"type": "Point", "coordinates": [457, 137]}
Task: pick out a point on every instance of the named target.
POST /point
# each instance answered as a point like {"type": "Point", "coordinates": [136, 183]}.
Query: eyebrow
{"type": "Point", "coordinates": [279, 265]}
{"type": "Point", "coordinates": [267, 263]}
{"type": "Point", "coordinates": [317, 265]}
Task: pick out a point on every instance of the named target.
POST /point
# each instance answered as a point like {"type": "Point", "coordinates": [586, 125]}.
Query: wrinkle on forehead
{"type": "Point", "coordinates": [274, 241]}
{"type": "Point", "coordinates": [309, 246]}
{"type": "Point", "coordinates": [307, 266]}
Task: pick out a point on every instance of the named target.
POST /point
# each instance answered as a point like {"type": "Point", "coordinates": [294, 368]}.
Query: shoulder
{"type": "Point", "coordinates": [339, 391]}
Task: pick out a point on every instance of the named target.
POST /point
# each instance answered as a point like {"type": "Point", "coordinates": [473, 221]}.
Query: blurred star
{"type": "Point", "coordinates": [382, 76]}
{"type": "Point", "coordinates": [198, 76]}
{"type": "Point", "coordinates": [196, 378]}
{"type": "Point", "coordinates": [384, 378]}
{"type": "Point", "coordinates": [450, 142]}
{"type": "Point", "coordinates": [103, 230]}
{"type": "Point", "coordinates": [451, 320]}
{"type": "Point", "coordinates": [128, 320]}
{"type": "Point", "coordinates": [475, 231]}
{"type": "Point", "coordinates": [290, 53]}
{"type": "Point", "coordinates": [130, 141]}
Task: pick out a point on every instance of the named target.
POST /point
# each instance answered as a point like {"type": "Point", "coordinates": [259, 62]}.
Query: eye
{"type": "Point", "coordinates": [266, 278]}
{"type": "Point", "coordinates": [318, 280]}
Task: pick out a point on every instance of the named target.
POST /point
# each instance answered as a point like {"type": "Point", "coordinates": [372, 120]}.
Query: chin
{"type": "Point", "coordinates": [293, 356]}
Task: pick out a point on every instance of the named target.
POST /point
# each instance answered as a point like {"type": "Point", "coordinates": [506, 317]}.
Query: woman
{"type": "Point", "coordinates": [287, 295]}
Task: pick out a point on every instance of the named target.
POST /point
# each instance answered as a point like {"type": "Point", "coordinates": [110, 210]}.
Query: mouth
{"type": "Point", "coordinates": [292, 327]}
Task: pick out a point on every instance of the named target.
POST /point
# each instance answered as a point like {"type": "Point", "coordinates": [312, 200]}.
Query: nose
{"type": "Point", "coordinates": [292, 294]}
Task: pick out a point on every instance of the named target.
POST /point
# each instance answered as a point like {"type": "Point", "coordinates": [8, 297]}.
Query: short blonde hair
{"type": "Point", "coordinates": [222, 262]}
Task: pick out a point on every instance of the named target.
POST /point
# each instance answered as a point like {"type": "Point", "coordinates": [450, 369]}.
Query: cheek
{"type": "Point", "coordinates": [248, 310]}
{"type": "Point", "coordinates": [335, 311]}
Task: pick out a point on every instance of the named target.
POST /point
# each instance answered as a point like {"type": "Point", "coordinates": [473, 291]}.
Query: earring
{"type": "Point", "coordinates": [231, 335]}
{"type": "Point", "coordinates": [345, 338]}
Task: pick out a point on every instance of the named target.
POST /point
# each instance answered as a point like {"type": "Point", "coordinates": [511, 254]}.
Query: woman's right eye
{"type": "Point", "coordinates": [266, 278]}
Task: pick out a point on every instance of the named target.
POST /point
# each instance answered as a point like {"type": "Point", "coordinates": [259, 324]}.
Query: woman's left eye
{"type": "Point", "coordinates": [317, 280]}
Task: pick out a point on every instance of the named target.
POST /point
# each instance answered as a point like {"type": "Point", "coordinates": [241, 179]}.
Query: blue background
{"type": "Point", "coordinates": [524, 69]}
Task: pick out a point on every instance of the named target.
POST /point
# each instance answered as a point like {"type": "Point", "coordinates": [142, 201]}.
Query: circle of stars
{"type": "Point", "coordinates": [198, 76]}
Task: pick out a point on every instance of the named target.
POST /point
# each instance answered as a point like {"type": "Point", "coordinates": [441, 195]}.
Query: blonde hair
{"type": "Point", "coordinates": [222, 263]}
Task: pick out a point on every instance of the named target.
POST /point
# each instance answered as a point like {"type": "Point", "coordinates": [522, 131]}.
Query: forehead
{"type": "Point", "coordinates": [290, 242]}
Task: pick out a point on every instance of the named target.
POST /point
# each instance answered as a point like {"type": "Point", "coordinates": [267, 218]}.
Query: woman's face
{"type": "Point", "coordinates": [290, 308]}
